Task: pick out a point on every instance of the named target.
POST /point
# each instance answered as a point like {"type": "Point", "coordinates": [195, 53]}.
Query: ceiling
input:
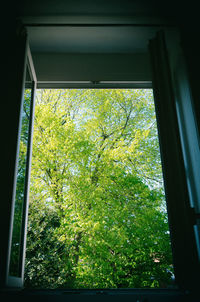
{"type": "Point", "coordinates": [67, 39]}
{"type": "Point", "coordinates": [115, 31]}
{"type": "Point", "coordinates": [96, 7]}
{"type": "Point", "coordinates": [96, 26]}
{"type": "Point", "coordinates": [94, 11]}
{"type": "Point", "coordinates": [57, 26]}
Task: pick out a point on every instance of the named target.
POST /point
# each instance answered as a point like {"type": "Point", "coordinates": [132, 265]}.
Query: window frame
{"type": "Point", "coordinates": [10, 280]}
{"type": "Point", "coordinates": [18, 281]}
{"type": "Point", "coordinates": [181, 218]}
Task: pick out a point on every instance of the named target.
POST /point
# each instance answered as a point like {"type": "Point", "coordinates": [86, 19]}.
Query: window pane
{"type": "Point", "coordinates": [21, 179]}
{"type": "Point", "coordinates": [97, 210]}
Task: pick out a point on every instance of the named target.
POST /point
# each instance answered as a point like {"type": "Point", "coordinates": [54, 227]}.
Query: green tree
{"type": "Point", "coordinates": [97, 215]}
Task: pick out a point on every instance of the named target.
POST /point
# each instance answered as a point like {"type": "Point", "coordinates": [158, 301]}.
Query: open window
{"type": "Point", "coordinates": [17, 240]}
{"type": "Point", "coordinates": [181, 219]}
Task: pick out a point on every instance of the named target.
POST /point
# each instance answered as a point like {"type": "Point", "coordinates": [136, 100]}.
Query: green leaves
{"type": "Point", "coordinates": [97, 216]}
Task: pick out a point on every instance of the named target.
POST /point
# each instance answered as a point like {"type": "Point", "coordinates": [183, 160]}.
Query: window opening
{"type": "Point", "coordinates": [97, 210]}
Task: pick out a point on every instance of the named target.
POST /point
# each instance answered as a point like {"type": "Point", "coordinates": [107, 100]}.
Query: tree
{"type": "Point", "coordinates": [96, 171]}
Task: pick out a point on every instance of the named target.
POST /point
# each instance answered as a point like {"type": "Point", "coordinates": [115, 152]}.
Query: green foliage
{"type": "Point", "coordinates": [97, 216]}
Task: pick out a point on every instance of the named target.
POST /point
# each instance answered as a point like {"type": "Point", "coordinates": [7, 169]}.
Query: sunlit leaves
{"type": "Point", "coordinates": [96, 201]}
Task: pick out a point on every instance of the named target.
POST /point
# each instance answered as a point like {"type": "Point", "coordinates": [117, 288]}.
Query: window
{"type": "Point", "coordinates": [181, 227]}
{"type": "Point", "coordinates": [22, 177]}
{"type": "Point", "coordinates": [97, 211]}
{"type": "Point", "coordinates": [15, 260]}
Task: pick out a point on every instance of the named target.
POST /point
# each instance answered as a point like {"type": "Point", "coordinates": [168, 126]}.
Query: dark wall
{"type": "Point", "coordinates": [191, 46]}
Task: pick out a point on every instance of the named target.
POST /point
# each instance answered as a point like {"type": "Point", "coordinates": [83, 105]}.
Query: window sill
{"type": "Point", "coordinates": [133, 295]}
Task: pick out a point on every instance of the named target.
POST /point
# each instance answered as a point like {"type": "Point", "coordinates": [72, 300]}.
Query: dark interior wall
{"type": "Point", "coordinates": [10, 108]}
{"type": "Point", "coordinates": [91, 53]}
{"type": "Point", "coordinates": [191, 46]}
{"type": "Point", "coordinates": [92, 67]}
{"type": "Point", "coordinates": [96, 8]}
{"type": "Point", "coordinates": [142, 11]}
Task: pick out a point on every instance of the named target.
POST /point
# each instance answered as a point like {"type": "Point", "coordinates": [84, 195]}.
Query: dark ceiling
{"type": "Point", "coordinates": [62, 26]}
{"type": "Point", "coordinates": [90, 39]}
{"type": "Point", "coordinates": [172, 10]}
{"type": "Point", "coordinates": [94, 7]}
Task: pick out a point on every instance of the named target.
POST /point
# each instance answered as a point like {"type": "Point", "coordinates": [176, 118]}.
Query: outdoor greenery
{"type": "Point", "coordinates": [97, 213]}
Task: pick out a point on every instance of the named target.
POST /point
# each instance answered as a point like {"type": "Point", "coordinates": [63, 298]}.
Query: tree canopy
{"type": "Point", "coordinates": [97, 213]}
